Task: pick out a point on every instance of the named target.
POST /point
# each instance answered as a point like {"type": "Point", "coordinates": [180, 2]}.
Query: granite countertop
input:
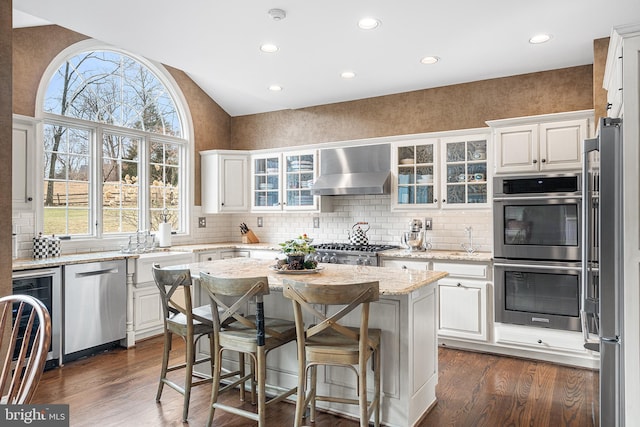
{"type": "Point", "coordinates": [27, 264]}
{"type": "Point", "coordinates": [392, 280]}
{"type": "Point", "coordinates": [438, 255]}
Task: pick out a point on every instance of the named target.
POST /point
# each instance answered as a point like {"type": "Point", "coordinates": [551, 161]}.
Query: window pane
{"type": "Point", "coordinates": [120, 188]}
{"type": "Point", "coordinates": [113, 88]}
{"type": "Point", "coordinates": [164, 174]}
{"type": "Point", "coordinates": [66, 171]}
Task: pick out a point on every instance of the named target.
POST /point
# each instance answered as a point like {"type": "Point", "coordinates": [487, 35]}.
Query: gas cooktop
{"type": "Point", "coordinates": [352, 248]}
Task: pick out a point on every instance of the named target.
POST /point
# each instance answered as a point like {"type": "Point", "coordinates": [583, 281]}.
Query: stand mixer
{"type": "Point", "coordinates": [415, 239]}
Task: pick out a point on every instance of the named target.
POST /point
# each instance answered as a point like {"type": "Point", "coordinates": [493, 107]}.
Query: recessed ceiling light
{"type": "Point", "coordinates": [347, 74]}
{"type": "Point", "coordinates": [368, 23]}
{"type": "Point", "coordinates": [430, 60]}
{"type": "Point", "coordinates": [269, 48]}
{"type": "Point", "coordinates": [540, 38]}
{"type": "Point", "coordinates": [275, 88]}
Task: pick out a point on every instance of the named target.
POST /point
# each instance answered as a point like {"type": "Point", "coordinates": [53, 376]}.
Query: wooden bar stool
{"type": "Point", "coordinates": [327, 342]}
{"type": "Point", "coordinates": [252, 335]}
{"type": "Point", "coordinates": [190, 323]}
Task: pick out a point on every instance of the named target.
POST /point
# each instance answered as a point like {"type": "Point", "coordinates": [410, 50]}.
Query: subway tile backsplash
{"type": "Point", "coordinates": [385, 226]}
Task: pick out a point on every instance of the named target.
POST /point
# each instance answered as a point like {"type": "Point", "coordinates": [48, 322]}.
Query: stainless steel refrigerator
{"type": "Point", "coordinates": [602, 266]}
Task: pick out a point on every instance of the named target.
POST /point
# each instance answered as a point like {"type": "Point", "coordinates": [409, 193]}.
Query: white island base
{"type": "Point", "coordinates": [406, 313]}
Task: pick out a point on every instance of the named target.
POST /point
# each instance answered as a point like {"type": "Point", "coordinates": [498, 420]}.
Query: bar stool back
{"type": "Point", "coordinates": [328, 342]}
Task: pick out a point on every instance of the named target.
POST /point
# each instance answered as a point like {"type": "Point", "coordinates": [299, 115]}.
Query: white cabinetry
{"type": "Point", "coordinates": [447, 171]}
{"type": "Point", "coordinates": [463, 298]}
{"type": "Point", "coordinates": [23, 156]}
{"type": "Point", "coordinates": [224, 177]}
{"type": "Point", "coordinates": [543, 339]}
{"type": "Point", "coordinates": [282, 181]}
{"type": "Point", "coordinates": [464, 175]}
{"type": "Point", "coordinates": [147, 306]}
{"type": "Point", "coordinates": [415, 174]}
{"type": "Point", "coordinates": [547, 143]}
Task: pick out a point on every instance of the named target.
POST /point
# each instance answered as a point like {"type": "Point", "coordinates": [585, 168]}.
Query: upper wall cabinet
{"type": "Point", "coordinates": [283, 181]}
{"type": "Point", "coordinates": [23, 149]}
{"type": "Point", "coordinates": [465, 179]}
{"type": "Point", "coordinates": [224, 181]}
{"type": "Point", "coordinates": [415, 174]}
{"type": "Point", "coordinates": [549, 143]}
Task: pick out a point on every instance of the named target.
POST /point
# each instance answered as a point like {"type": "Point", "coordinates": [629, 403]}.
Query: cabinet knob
{"type": "Point", "coordinates": [222, 203]}
{"type": "Point", "coordinates": [459, 284]}
{"type": "Point", "coordinates": [544, 160]}
{"type": "Point", "coordinates": [444, 200]}
{"type": "Point", "coordinates": [435, 200]}
{"type": "Point", "coordinates": [539, 341]}
{"type": "Point", "coordinates": [535, 161]}
{"type": "Point", "coordinates": [29, 199]}
{"type": "Point", "coordinates": [404, 267]}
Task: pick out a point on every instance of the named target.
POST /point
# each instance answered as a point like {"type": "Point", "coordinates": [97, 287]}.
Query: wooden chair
{"type": "Point", "coordinates": [25, 336]}
{"type": "Point", "coordinates": [190, 323]}
{"type": "Point", "coordinates": [328, 342]}
{"type": "Point", "coordinates": [252, 335]}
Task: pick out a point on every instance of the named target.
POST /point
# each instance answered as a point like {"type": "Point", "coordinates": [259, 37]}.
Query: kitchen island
{"type": "Point", "coordinates": [406, 313]}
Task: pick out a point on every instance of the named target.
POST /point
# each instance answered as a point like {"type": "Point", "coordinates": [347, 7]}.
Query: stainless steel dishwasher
{"type": "Point", "coordinates": [95, 307]}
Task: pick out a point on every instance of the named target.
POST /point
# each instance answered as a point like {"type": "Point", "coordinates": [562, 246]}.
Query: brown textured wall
{"type": "Point", "coordinates": [5, 144]}
{"type": "Point", "coordinates": [600, 48]}
{"type": "Point", "coordinates": [35, 47]}
{"type": "Point", "coordinates": [33, 50]}
{"type": "Point", "coordinates": [211, 123]}
{"type": "Point", "coordinates": [460, 106]}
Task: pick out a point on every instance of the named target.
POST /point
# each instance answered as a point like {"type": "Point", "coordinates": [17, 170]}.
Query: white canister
{"type": "Point", "coordinates": [164, 234]}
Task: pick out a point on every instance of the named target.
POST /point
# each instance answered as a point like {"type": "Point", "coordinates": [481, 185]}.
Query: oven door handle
{"type": "Point", "coordinates": [537, 266]}
{"type": "Point", "coordinates": [526, 198]}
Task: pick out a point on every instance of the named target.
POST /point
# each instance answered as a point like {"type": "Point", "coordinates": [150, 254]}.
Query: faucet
{"type": "Point", "coordinates": [469, 246]}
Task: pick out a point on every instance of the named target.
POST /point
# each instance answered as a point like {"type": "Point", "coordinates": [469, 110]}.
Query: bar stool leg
{"type": "Point", "coordinates": [165, 363]}
{"type": "Point", "coordinates": [215, 388]}
{"type": "Point", "coordinates": [261, 372]}
{"type": "Point", "coordinates": [188, 380]}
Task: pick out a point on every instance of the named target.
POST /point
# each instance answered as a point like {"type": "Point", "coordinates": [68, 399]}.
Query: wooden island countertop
{"type": "Point", "coordinates": [393, 281]}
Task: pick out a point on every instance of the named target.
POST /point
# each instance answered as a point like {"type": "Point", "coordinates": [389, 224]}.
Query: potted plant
{"type": "Point", "coordinates": [296, 250]}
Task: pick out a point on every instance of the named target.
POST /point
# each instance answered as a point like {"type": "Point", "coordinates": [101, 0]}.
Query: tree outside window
{"type": "Point", "coordinates": [113, 148]}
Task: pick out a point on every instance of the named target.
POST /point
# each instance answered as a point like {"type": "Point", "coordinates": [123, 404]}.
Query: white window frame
{"type": "Point", "coordinates": [97, 129]}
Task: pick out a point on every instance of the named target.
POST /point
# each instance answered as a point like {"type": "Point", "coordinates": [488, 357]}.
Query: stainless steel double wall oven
{"type": "Point", "coordinates": [537, 250]}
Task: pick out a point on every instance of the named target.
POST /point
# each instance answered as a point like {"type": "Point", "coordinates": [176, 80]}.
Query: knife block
{"type": "Point", "coordinates": [250, 237]}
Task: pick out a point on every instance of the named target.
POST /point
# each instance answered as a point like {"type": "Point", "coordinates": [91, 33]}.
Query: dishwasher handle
{"type": "Point", "coordinates": [97, 272]}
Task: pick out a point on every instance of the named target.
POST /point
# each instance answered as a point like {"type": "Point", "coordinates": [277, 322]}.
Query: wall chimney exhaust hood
{"type": "Point", "coordinates": [354, 170]}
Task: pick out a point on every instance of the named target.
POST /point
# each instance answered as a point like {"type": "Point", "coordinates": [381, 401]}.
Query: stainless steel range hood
{"type": "Point", "coordinates": [354, 170]}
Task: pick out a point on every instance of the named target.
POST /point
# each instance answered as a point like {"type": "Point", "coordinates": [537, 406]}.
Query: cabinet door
{"type": "Point", "coordinates": [299, 174]}
{"type": "Point", "coordinates": [463, 309]}
{"type": "Point", "coordinates": [266, 171]}
{"type": "Point", "coordinates": [208, 256]}
{"type": "Point", "coordinates": [224, 182]}
{"type": "Point", "coordinates": [561, 145]}
{"type": "Point", "coordinates": [516, 149]}
{"type": "Point", "coordinates": [234, 184]}
{"type": "Point", "coordinates": [465, 179]}
{"type": "Point", "coordinates": [415, 175]}
{"type": "Point", "coordinates": [22, 172]}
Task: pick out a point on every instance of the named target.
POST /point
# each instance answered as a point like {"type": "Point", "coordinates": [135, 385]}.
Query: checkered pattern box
{"type": "Point", "coordinates": [40, 247]}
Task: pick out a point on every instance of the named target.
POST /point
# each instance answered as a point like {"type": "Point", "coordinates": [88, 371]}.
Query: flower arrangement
{"type": "Point", "coordinates": [300, 246]}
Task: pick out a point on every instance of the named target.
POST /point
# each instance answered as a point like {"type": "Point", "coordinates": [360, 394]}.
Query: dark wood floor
{"type": "Point", "coordinates": [117, 388]}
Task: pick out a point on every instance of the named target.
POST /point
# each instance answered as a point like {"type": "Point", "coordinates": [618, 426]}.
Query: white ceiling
{"type": "Point", "coordinates": [217, 42]}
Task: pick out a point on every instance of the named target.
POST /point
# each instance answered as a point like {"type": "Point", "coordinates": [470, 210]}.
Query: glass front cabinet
{"type": "Point", "coordinates": [464, 163]}
{"type": "Point", "coordinates": [416, 174]}
{"type": "Point", "coordinates": [283, 181]}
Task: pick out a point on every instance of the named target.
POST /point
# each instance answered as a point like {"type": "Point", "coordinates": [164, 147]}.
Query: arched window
{"type": "Point", "coordinates": [115, 152]}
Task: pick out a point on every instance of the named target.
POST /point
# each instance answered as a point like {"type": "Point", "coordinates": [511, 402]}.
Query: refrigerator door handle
{"type": "Point", "coordinates": [586, 302]}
